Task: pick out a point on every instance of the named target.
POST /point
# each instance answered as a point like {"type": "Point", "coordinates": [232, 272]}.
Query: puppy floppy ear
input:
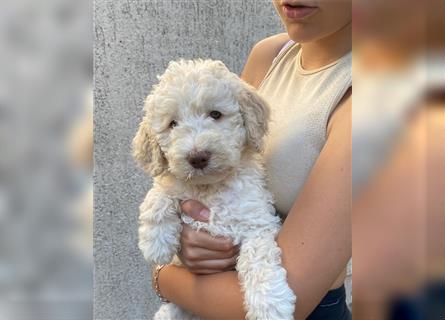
{"type": "Point", "coordinates": [147, 151]}
{"type": "Point", "coordinates": [255, 112]}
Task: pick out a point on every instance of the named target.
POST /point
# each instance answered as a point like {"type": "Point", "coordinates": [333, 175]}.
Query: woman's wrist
{"type": "Point", "coordinates": [175, 283]}
{"type": "Point", "coordinates": [198, 294]}
{"type": "Point", "coordinates": [155, 274]}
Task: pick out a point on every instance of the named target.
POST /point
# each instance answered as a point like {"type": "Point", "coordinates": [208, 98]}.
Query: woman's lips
{"type": "Point", "coordinates": [298, 12]}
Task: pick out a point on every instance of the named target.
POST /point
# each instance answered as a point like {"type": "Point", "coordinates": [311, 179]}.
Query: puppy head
{"type": "Point", "coordinates": [199, 120]}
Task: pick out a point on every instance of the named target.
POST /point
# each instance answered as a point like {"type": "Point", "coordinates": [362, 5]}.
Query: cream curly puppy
{"type": "Point", "coordinates": [201, 138]}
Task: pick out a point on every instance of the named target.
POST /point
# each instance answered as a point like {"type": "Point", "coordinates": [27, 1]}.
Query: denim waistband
{"type": "Point", "coordinates": [332, 306]}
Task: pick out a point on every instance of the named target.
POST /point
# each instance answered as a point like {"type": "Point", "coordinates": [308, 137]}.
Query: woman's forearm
{"type": "Point", "coordinates": [216, 296]}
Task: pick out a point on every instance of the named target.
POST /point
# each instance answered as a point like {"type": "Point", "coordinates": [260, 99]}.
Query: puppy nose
{"type": "Point", "coordinates": [199, 160]}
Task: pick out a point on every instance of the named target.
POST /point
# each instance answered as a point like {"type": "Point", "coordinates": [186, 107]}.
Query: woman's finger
{"type": "Point", "coordinates": [210, 271]}
{"type": "Point", "coordinates": [196, 210]}
{"type": "Point", "coordinates": [197, 253]}
{"type": "Point", "coordinates": [204, 271]}
{"type": "Point", "coordinates": [202, 239]}
{"type": "Point", "coordinates": [206, 241]}
{"type": "Point", "coordinates": [219, 265]}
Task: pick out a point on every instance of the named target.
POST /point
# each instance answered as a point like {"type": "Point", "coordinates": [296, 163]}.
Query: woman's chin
{"type": "Point", "coordinates": [300, 33]}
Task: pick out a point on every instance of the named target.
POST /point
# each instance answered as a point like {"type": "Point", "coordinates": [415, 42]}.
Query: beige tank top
{"type": "Point", "coordinates": [301, 102]}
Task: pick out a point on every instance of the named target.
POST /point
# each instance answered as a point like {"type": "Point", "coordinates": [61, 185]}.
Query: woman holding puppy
{"type": "Point", "coordinates": [305, 75]}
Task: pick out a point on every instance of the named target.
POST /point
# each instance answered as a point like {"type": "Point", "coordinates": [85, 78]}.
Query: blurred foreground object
{"type": "Point", "coordinates": [399, 160]}
{"type": "Point", "coordinates": [45, 193]}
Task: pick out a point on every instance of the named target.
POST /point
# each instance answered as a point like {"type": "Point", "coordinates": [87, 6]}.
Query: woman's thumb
{"type": "Point", "coordinates": [195, 210]}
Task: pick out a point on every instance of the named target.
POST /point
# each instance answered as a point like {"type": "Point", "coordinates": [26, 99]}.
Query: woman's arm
{"type": "Point", "coordinates": [216, 296]}
{"type": "Point", "coordinates": [315, 238]}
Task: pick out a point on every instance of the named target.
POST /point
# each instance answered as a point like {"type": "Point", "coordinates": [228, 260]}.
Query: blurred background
{"type": "Point", "coordinates": [398, 144]}
{"type": "Point", "coordinates": [46, 159]}
{"type": "Point", "coordinates": [46, 147]}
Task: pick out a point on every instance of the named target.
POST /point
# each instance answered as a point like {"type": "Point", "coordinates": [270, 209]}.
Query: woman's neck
{"type": "Point", "coordinates": [319, 53]}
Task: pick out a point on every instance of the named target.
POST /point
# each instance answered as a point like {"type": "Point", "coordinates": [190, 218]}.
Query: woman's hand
{"type": "Point", "coordinates": [200, 252]}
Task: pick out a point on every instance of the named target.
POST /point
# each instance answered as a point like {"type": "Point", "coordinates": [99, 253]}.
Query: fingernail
{"type": "Point", "coordinates": [205, 213]}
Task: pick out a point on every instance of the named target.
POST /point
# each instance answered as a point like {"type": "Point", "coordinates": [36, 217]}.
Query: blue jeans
{"type": "Point", "coordinates": [332, 307]}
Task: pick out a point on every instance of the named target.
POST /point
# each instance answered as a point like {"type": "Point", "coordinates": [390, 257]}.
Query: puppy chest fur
{"type": "Point", "coordinates": [240, 205]}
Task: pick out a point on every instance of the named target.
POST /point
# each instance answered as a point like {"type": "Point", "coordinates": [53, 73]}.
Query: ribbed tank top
{"type": "Point", "coordinates": [301, 103]}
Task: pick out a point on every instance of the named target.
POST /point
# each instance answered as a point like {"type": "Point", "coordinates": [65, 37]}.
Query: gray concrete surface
{"type": "Point", "coordinates": [134, 41]}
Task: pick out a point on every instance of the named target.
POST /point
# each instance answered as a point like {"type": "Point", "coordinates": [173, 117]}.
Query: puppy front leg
{"type": "Point", "coordinates": [263, 280]}
{"type": "Point", "coordinates": [159, 227]}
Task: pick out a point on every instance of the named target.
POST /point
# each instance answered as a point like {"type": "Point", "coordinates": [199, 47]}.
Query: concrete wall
{"type": "Point", "coordinates": [134, 41]}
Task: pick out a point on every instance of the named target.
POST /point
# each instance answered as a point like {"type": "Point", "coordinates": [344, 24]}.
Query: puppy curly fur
{"type": "Point", "coordinates": [232, 185]}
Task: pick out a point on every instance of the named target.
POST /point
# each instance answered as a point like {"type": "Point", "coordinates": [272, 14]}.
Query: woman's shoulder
{"type": "Point", "coordinates": [261, 57]}
{"type": "Point", "coordinates": [341, 115]}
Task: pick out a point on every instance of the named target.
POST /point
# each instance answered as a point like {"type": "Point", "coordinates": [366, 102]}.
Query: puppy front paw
{"type": "Point", "coordinates": [155, 253]}
{"type": "Point", "coordinates": [159, 243]}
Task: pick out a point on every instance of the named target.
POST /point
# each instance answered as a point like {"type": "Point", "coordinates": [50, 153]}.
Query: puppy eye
{"type": "Point", "coordinates": [215, 114]}
{"type": "Point", "coordinates": [173, 124]}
